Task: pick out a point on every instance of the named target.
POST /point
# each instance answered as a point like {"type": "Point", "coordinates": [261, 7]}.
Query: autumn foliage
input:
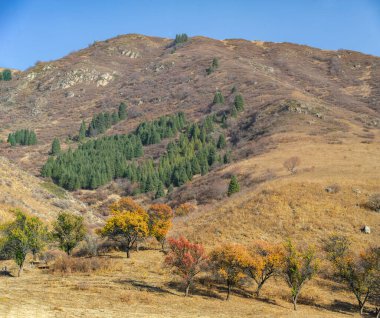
{"type": "Point", "coordinates": [266, 262]}
{"type": "Point", "coordinates": [127, 224]}
{"type": "Point", "coordinates": [187, 259]}
{"type": "Point", "coordinates": [229, 262]}
{"type": "Point", "coordinates": [160, 221]}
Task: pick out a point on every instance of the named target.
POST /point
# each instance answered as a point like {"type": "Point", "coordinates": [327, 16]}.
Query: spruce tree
{"type": "Point", "coordinates": [82, 131]}
{"type": "Point", "coordinates": [239, 103]}
{"type": "Point", "coordinates": [122, 111]}
{"type": "Point", "coordinates": [221, 141]}
{"type": "Point", "coordinates": [218, 98]}
{"type": "Point", "coordinates": [55, 147]}
{"type": "Point", "coordinates": [233, 186]}
{"type": "Point", "coordinates": [12, 139]}
{"type": "Point", "coordinates": [7, 75]}
{"type": "Point", "coordinates": [160, 191]}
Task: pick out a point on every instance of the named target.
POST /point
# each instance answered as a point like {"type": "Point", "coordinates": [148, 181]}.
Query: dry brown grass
{"type": "Point", "coordinates": [141, 289]}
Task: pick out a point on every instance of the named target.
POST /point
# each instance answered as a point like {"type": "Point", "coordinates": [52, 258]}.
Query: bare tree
{"type": "Point", "coordinates": [291, 164]}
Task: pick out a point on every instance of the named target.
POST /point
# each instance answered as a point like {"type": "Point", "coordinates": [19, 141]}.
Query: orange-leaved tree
{"type": "Point", "coordinates": [160, 221]}
{"type": "Point", "coordinates": [298, 268]}
{"type": "Point", "coordinates": [229, 262]}
{"type": "Point", "coordinates": [187, 260]}
{"type": "Point", "coordinates": [127, 224]}
{"type": "Point", "coordinates": [266, 262]}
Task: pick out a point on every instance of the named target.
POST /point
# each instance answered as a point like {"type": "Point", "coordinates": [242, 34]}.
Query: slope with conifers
{"type": "Point", "coordinates": [321, 107]}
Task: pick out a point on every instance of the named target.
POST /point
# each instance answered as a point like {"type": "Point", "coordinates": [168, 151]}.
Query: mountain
{"type": "Point", "coordinates": [297, 98]}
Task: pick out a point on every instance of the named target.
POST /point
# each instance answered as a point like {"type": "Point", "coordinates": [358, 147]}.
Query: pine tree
{"type": "Point", "coordinates": [7, 75]}
{"type": "Point", "coordinates": [160, 191]}
{"type": "Point", "coordinates": [221, 141]}
{"type": "Point", "coordinates": [122, 111]}
{"type": "Point", "coordinates": [55, 147]}
{"type": "Point", "coordinates": [234, 111]}
{"type": "Point", "coordinates": [239, 103]}
{"type": "Point", "coordinates": [82, 131]}
{"type": "Point", "coordinates": [218, 98]}
{"type": "Point", "coordinates": [12, 139]}
{"type": "Point", "coordinates": [233, 186]}
{"type": "Point", "coordinates": [215, 63]}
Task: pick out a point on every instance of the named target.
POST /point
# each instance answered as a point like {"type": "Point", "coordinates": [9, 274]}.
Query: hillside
{"type": "Point", "coordinates": [322, 107]}
{"type": "Point", "coordinates": [20, 190]}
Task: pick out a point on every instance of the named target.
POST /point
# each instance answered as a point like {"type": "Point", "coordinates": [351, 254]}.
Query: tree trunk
{"type": "Point", "coordinates": [20, 270]}
{"type": "Point", "coordinates": [378, 312]}
{"type": "Point", "coordinates": [128, 252]}
{"type": "Point", "coordinates": [294, 298]}
{"type": "Point", "coordinates": [361, 305]}
{"type": "Point", "coordinates": [163, 245]}
{"type": "Point", "coordinates": [228, 291]}
{"type": "Point", "coordinates": [259, 289]}
{"type": "Point", "coordinates": [187, 289]}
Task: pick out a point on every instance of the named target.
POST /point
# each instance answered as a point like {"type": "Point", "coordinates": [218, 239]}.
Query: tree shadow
{"type": "Point", "coordinates": [144, 286]}
{"type": "Point", "coordinates": [339, 306]}
{"type": "Point", "coordinates": [195, 290]}
{"type": "Point", "coordinates": [6, 273]}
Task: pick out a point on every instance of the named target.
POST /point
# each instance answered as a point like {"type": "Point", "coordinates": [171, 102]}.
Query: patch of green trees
{"type": "Point", "coordinates": [24, 137]}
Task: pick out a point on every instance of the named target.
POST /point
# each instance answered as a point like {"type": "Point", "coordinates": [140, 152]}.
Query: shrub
{"type": "Point", "coordinates": [68, 265]}
{"type": "Point", "coordinates": [184, 209]}
{"type": "Point", "coordinates": [373, 202]}
{"type": "Point", "coordinates": [291, 164]}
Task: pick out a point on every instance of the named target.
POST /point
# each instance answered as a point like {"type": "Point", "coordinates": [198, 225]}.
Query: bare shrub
{"type": "Point", "coordinates": [184, 209]}
{"type": "Point", "coordinates": [292, 163]}
{"type": "Point", "coordinates": [334, 188]}
{"type": "Point", "coordinates": [68, 265]}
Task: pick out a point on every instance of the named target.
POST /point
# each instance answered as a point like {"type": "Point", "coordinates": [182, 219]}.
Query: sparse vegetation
{"type": "Point", "coordinates": [233, 186]}
{"type": "Point", "coordinates": [180, 38]}
{"type": "Point", "coordinates": [292, 163]}
{"type": "Point", "coordinates": [373, 202]}
{"type": "Point", "coordinates": [213, 67]}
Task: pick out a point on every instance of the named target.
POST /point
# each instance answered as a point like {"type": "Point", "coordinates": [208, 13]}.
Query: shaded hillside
{"type": "Point", "coordinates": [20, 190]}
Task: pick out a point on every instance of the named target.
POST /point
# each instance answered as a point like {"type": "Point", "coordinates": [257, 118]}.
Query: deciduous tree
{"type": "Point", "coordinates": [22, 236]}
{"type": "Point", "coordinates": [187, 260]}
{"type": "Point", "coordinates": [127, 224]}
{"type": "Point", "coordinates": [160, 221]}
{"type": "Point", "coordinates": [298, 268]}
{"type": "Point", "coordinates": [266, 262]}
{"type": "Point", "coordinates": [68, 230]}
{"type": "Point", "coordinates": [229, 262]}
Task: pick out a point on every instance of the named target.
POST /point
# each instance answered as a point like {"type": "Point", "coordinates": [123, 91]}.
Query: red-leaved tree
{"type": "Point", "coordinates": [186, 259]}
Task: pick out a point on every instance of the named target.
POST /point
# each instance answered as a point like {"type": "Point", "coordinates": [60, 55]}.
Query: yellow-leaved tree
{"type": "Point", "coordinates": [160, 221]}
{"type": "Point", "coordinates": [127, 224]}
{"type": "Point", "coordinates": [266, 261]}
{"type": "Point", "coordinates": [229, 262]}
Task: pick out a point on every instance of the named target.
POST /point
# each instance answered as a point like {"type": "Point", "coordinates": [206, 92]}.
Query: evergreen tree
{"type": "Point", "coordinates": [160, 191]}
{"type": "Point", "coordinates": [221, 141]}
{"type": "Point", "coordinates": [234, 111]}
{"type": "Point", "coordinates": [233, 186]}
{"type": "Point", "coordinates": [122, 111]}
{"type": "Point", "coordinates": [82, 131]}
{"type": "Point", "coordinates": [239, 103]}
{"type": "Point", "coordinates": [55, 147]}
{"type": "Point", "coordinates": [218, 98]}
{"type": "Point", "coordinates": [12, 139]}
{"type": "Point", "coordinates": [7, 75]}
{"type": "Point", "coordinates": [215, 63]}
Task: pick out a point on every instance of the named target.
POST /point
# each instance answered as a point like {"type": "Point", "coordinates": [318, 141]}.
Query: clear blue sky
{"type": "Point", "coordinates": [32, 30]}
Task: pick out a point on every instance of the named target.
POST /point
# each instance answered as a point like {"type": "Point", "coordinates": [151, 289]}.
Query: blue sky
{"type": "Point", "coordinates": [43, 30]}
